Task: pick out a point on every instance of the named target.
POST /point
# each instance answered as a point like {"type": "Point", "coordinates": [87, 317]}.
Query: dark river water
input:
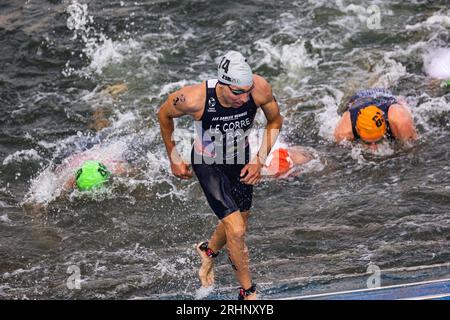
{"type": "Point", "coordinates": [135, 239]}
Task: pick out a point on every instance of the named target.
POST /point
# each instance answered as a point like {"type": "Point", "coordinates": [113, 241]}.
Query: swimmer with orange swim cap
{"type": "Point", "coordinates": [374, 115]}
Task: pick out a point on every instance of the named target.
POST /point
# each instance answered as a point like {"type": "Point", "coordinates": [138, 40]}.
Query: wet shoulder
{"type": "Point", "coordinates": [190, 99]}
{"type": "Point", "coordinates": [262, 93]}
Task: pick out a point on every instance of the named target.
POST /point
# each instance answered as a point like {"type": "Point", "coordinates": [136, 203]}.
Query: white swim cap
{"type": "Point", "coordinates": [233, 69]}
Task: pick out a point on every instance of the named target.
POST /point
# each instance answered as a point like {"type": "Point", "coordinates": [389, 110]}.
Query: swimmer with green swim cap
{"type": "Point", "coordinates": [91, 175]}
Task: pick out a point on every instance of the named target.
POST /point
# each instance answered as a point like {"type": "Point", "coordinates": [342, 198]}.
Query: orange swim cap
{"type": "Point", "coordinates": [370, 124]}
{"type": "Point", "coordinates": [280, 162]}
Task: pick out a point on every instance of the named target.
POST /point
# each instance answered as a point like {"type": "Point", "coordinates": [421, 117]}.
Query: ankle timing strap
{"type": "Point", "coordinates": [245, 293]}
{"type": "Point", "coordinates": [209, 252]}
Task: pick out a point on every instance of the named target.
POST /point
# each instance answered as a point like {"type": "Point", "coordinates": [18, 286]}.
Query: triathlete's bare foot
{"type": "Point", "coordinates": [206, 271]}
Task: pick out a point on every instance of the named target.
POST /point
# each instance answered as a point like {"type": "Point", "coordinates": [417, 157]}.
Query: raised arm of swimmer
{"type": "Point", "coordinates": [402, 123]}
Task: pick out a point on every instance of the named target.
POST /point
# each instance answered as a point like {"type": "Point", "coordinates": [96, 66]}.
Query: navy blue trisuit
{"type": "Point", "coordinates": [221, 149]}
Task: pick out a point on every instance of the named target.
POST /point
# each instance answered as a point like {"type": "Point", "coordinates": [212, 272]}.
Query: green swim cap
{"type": "Point", "coordinates": [445, 84]}
{"type": "Point", "coordinates": [91, 174]}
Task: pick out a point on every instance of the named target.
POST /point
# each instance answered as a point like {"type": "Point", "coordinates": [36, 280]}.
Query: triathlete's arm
{"type": "Point", "coordinates": [402, 123]}
{"type": "Point", "coordinates": [343, 129]}
{"type": "Point", "coordinates": [182, 102]}
{"type": "Point", "coordinates": [263, 97]}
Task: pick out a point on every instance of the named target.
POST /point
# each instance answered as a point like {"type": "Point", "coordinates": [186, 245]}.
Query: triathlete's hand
{"type": "Point", "coordinates": [251, 173]}
{"type": "Point", "coordinates": [181, 170]}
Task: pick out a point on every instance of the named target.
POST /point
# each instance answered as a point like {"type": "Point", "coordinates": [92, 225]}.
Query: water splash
{"type": "Point", "coordinates": [438, 20]}
{"type": "Point", "coordinates": [4, 218]}
{"type": "Point", "coordinates": [292, 58]}
{"type": "Point", "coordinates": [437, 63]}
{"type": "Point", "coordinates": [328, 118]}
{"type": "Point", "coordinates": [203, 292]}
{"type": "Point", "coordinates": [78, 17]}
{"type": "Point", "coordinates": [22, 156]}
{"type": "Point", "coordinates": [99, 50]}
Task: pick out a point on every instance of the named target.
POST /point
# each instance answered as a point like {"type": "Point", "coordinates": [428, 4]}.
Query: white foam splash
{"type": "Point", "coordinates": [166, 267]}
{"type": "Point", "coordinates": [328, 118]}
{"type": "Point", "coordinates": [5, 219]}
{"type": "Point", "coordinates": [388, 71]}
{"type": "Point", "coordinates": [436, 20]}
{"type": "Point", "coordinates": [357, 154]}
{"type": "Point", "coordinates": [103, 54]}
{"type": "Point", "coordinates": [78, 16]}
{"type": "Point", "coordinates": [21, 156]}
{"type": "Point", "coordinates": [203, 292]}
{"type": "Point", "coordinates": [437, 63]}
{"type": "Point", "coordinates": [20, 271]}
{"type": "Point", "coordinates": [431, 107]}
{"type": "Point", "coordinates": [315, 165]}
{"type": "Point", "coordinates": [170, 87]}
{"type": "Point", "coordinates": [292, 57]}
{"type": "Point", "coordinates": [99, 49]}
{"type": "Point", "coordinates": [46, 187]}
{"type": "Point", "coordinates": [124, 119]}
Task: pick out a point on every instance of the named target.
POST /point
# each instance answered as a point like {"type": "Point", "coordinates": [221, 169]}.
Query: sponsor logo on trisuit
{"type": "Point", "coordinates": [212, 103]}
